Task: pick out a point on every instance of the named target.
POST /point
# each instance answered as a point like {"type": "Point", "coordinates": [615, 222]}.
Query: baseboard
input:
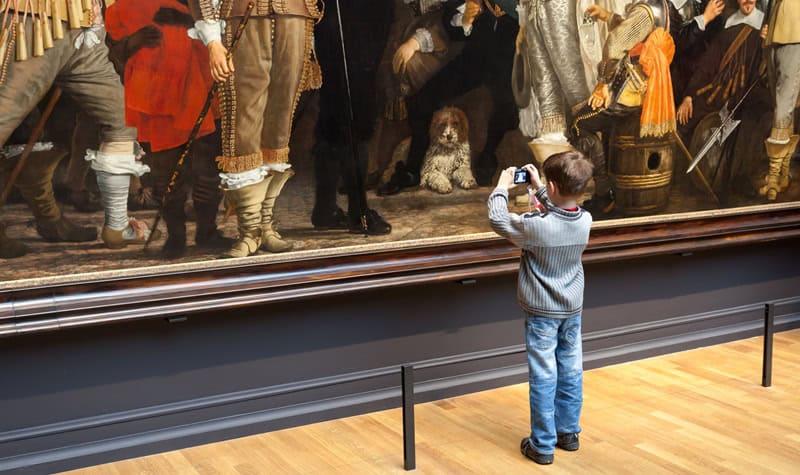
{"type": "Point", "coordinates": [126, 445]}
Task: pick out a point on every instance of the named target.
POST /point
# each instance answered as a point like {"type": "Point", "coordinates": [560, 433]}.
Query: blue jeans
{"type": "Point", "coordinates": [555, 372]}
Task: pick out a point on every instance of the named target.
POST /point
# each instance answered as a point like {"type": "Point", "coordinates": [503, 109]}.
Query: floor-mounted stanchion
{"type": "Point", "coordinates": [769, 324]}
{"type": "Point", "coordinates": [409, 449]}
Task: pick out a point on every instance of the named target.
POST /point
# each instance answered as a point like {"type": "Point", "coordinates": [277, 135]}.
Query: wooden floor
{"type": "Point", "coordinates": [700, 411]}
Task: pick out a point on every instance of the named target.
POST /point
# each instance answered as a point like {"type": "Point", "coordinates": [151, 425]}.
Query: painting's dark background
{"type": "Point", "coordinates": [355, 154]}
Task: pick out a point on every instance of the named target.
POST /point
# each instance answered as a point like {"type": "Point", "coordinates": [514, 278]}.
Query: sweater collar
{"type": "Point", "coordinates": [564, 213]}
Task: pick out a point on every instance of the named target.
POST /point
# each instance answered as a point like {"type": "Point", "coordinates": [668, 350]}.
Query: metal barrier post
{"type": "Point", "coordinates": [769, 323]}
{"type": "Point", "coordinates": [409, 450]}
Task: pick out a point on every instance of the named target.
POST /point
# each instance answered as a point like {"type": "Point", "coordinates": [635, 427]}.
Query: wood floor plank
{"type": "Point", "coordinates": [698, 411]}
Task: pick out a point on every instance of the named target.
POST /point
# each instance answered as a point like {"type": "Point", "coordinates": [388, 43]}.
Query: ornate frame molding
{"type": "Point", "coordinates": [83, 300]}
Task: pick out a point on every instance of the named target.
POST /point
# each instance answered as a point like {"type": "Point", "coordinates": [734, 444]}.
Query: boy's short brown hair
{"type": "Point", "coordinates": [570, 171]}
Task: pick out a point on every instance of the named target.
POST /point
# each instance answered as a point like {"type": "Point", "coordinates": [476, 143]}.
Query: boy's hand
{"type": "Point", "coordinates": [533, 174]}
{"type": "Point", "coordinates": [506, 180]}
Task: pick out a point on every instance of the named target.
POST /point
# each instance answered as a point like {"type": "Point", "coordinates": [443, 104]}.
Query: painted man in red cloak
{"type": "Point", "coordinates": [167, 79]}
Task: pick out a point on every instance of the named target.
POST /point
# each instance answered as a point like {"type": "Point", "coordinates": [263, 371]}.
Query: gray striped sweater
{"type": "Point", "coordinates": [550, 271]}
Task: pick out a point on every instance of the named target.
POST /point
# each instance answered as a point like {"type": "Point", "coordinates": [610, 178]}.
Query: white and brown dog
{"type": "Point", "coordinates": [448, 155]}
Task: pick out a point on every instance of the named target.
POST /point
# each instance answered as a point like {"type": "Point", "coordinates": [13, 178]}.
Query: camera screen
{"type": "Point", "coordinates": [521, 176]}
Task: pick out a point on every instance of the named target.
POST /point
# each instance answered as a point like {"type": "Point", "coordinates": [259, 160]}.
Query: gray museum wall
{"type": "Point", "coordinates": [87, 396]}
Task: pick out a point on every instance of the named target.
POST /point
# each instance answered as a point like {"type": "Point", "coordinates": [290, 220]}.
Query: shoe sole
{"type": "Point", "coordinates": [329, 228]}
{"type": "Point", "coordinates": [569, 448]}
{"type": "Point", "coordinates": [130, 242]}
{"type": "Point", "coordinates": [524, 452]}
{"type": "Point", "coordinates": [369, 233]}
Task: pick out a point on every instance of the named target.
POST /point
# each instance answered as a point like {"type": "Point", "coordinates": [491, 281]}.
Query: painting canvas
{"type": "Point", "coordinates": [149, 136]}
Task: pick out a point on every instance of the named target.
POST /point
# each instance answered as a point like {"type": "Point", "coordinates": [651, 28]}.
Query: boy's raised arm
{"type": "Point", "coordinates": [507, 224]}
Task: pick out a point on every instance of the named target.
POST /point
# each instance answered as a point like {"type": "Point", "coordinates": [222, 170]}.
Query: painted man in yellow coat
{"type": "Point", "coordinates": [783, 35]}
{"type": "Point", "coordinates": [261, 85]}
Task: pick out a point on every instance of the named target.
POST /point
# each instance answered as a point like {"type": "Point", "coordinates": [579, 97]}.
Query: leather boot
{"type": "Point", "coordinates": [246, 203]}
{"type": "Point", "coordinates": [162, 166]}
{"type": "Point", "coordinates": [10, 248]}
{"type": "Point", "coordinates": [136, 232]}
{"type": "Point", "coordinates": [35, 183]}
{"type": "Point", "coordinates": [64, 230]}
{"type": "Point", "coordinates": [207, 235]}
{"type": "Point", "coordinates": [771, 186]}
{"type": "Point", "coordinates": [776, 153]}
{"type": "Point", "coordinates": [270, 239]}
{"type": "Point", "coordinates": [175, 219]}
{"type": "Point", "coordinates": [119, 230]}
{"type": "Point", "coordinates": [785, 176]}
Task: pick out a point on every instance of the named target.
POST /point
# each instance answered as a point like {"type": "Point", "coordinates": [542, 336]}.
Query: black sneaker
{"type": "Point", "coordinates": [568, 442]}
{"type": "Point", "coordinates": [526, 447]}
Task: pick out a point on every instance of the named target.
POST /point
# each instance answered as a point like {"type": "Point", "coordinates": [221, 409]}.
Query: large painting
{"type": "Point", "coordinates": [147, 136]}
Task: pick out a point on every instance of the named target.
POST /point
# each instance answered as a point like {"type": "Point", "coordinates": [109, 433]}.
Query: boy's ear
{"type": "Point", "coordinates": [552, 188]}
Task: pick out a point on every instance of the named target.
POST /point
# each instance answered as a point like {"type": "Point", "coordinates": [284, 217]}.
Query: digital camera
{"type": "Point", "coordinates": [521, 176]}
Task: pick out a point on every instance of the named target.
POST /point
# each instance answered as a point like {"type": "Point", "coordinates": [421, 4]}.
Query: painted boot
{"type": "Point", "coordinates": [10, 248]}
{"type": "Point", "coordinates": [64, 230]}
{"type": "Point", "coordinates": [207, 235]}
{"type": "Point", "coordinates": [35, 183]}
{"type": "Point", "coordinates": [246, 203]}
{"type": "Point", "coordinates": [270, 239]}
{"type": "Point", "coordinates": [175, 219]}
{"type": "Point", "coordinates": [206, 197]}
{"type": "Point", "coordinates": [114, 164]}
{"type": "Point", "coordinates": [776, 153]}
{"type": "Point", "coordinates": [785, 177]}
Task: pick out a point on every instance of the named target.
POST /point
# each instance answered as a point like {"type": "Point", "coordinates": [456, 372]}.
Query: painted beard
{"type": "Point", "coordinates": [747, 7]}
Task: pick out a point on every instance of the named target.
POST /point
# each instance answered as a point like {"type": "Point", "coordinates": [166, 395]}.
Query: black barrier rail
{"type": "Point", "coordinates": [406, 372]}
{"type": "Point", "coordinates": [407, 384]}
{"type": "Point", "coordinates": [409, 451]}
{"type": "Point", "coordinates": [766, 360]}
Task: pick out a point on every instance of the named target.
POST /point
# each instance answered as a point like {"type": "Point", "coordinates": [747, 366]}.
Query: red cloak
{"type": "Point", "coordinates": [165, 86]}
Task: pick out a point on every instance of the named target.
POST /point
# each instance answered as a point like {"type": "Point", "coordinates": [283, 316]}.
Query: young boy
{"type": "Point", "coordinates": [550, 290]}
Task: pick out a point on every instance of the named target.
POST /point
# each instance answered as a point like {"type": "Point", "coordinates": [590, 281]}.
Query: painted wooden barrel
{"type": "Point", "coordinates": [640, 169]}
